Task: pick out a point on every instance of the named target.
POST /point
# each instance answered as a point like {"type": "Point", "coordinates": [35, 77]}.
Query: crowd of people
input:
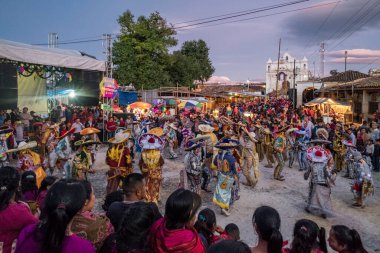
{"type": "Point", "coordinates": [54, 156]}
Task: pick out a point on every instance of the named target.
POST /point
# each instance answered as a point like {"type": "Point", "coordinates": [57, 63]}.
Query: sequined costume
{"type": "Point", "coordinates": [250, 159]}
{"type": "Point", "coordinates": [362, 185]}
{"type": "Point", "coordinates": [120, 162]}
{"type": "Point", "coordinates": [279, 148]}
{"type": "Point", "coordinates": [81, 164]}
{"type": "Point", "coordinates": [193, 168]}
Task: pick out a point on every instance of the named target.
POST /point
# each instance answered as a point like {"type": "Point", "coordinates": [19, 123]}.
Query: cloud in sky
{"type": "Point", "coordinates": [356, 56]}
{"type": "Point", "coordinates": [331, 21]}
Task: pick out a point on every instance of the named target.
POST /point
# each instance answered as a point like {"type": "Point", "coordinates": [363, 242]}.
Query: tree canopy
{"type": "Point", "coordinates": [141, 54]}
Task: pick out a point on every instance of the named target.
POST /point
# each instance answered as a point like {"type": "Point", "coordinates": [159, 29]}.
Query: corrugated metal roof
{"type": "Point", "coordinates": [347, 76]}
{"type": "Point", "coordinates": [372, 82]}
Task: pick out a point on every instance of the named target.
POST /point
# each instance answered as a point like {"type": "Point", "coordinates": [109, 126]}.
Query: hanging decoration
{"type": "Point", "coordinates": [108, 88]}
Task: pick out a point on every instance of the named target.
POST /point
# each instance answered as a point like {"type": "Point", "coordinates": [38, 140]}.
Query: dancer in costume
{"type": "Point", "coordinates": [82, 163]}
{"type": "Point", "coordinates": [349, 161]}
{"type": "Point", "coordinates": [226, 192]}
{"type": "Point", "coordinates": [49, 142]}
{"type": "Point", "coordinates": [363, 183]}
{"type": "Point", "coordinates": [268, 146]}
{"type": "Point", "coordinates": [338, 147]}
{"type": "Point", "coordinates": [322, 177]}
{"type": "Point", "coordinates": [171, 137]}
{"type": "Point", "coordinates": [279, 149]}
{"type": "Point", "coordinates": [302, 142]}
{"type": "Point", "coordinates": [29, 160]}
{"type": "Point", "coordinates": [63, 151]}
{"type": "Point", "coordinates": [91, 133]}
{"type": "Point", "coordinates": [207, 153]}
{"type": "Point", "coordinates": [260, 140]}
{"type": "Point", "coordinates": [250, 158]}
{"type": "Point", "coordinates": [193, 166]}
{"type": "Point", "coordinates": [150, 164]}
{"type": "Point", "coordinates": [5, 133]}
{"type": "Point", "coordinates": [119, 160]}
{"type": "Point", "coordinates": [292, 145]}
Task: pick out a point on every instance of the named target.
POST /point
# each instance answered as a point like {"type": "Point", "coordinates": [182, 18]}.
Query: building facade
{"type": "Point", "coordinates": [286, 72]}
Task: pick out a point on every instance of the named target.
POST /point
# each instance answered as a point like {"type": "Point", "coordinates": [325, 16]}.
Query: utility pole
{"type": "Point", "coordinates": [52, 43]}
{"type": "Point", "coordinates": [345, 73]}
{"type": "Point", "coordinates": [107, 43]}
{"type": "Point", "coordinates": [278, 66]}
{"type": "Point", "coordinates": [313, 78]}
{"type": "Point", "coordinates": [322, 63]}
{"type": "Point", "coordinates": [294, 84]}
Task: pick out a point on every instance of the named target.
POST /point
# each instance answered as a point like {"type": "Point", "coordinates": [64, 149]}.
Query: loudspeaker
{"type": "Point", "coordinates": [8, 86]}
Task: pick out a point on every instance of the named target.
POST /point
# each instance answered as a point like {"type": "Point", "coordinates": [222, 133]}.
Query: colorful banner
{"type": "Point", "coordinates": [108, 88]}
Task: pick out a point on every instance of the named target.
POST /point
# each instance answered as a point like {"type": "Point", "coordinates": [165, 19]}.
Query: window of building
{"type": "Point", "coordinates": [268, 67]}
{"type": "Point", "coordinates": [304, 66]}
{"type": "Point", "coordinates": [286, 58]}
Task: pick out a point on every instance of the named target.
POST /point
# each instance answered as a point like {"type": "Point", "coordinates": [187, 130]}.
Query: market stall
{"type": "Point", "coordinates": [331, 108]}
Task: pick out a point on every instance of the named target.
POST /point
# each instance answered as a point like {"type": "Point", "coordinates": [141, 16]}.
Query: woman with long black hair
{"type": "Point", "coordinates": [63, 201]}
{"type": "Point", "coordinates": [14, 215]}
{"type": "Point", "coordinates": [266, 222]}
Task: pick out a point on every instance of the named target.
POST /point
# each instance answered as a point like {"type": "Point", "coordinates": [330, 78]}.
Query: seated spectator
{"type": "Point", "coordinates": [345, 240]}
{"type": "Point", "coordinates": [63, 201]}
{"type": "Point", "coordinates": [14, 216]}
{"type": "Point", "coordinates": [116, 196]}
{"type": "Point", "coordinates": [29, 190]}
{"type": "Point", "coordinates": [233, 232]}
{"type": "Point", "coordinates": [88, 225]}
{"type": "Point", "coordinates": [229, 246]}
{"type": "Point", "coordinates": [308, 238]}
{"type": "Point", "coordinates": [133, 232]}
{"type": "Point", "coordinates": [206, 226]}
{"type": "Point", "coordinates": [134, 191]}
{"type": "Point", "coordinates": [266, 221]}
{"type": "Point", "coordinates": [45, 186]}
{"type": "Point", "coordinates": [175, 232]}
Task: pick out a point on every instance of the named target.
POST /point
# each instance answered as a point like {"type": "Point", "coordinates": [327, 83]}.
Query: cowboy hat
{"type": "Point", "coordinates": [291, 130]}
{"type": "Point", "coordinates": [71, 131]}
{"type": "Point", "coordinates": [89, 130]}
{"type": "Point", "coordinates": [320, 141]}
{"type": "Point", "coordinates": [120, 137]}
{"type": "Point", "coordinates": [317, 154]}
{"type": "Point", "coordinates": [150, 141]}
{"type": "Point", "coordinates": [322, 133]}
{"type": "Point", "coordinates": [227, 144]}
{"type": "Point", "coordinates": [206, 128]}
{"type": "Point", "coordinates": [22, 146]}
{"type": "Point", "coordinates": [348, 143]}
{"type": "Point", "coordinates": [172, 125]}
{"type": "Point", "coordinates": [157, 131]}
{"type": "Point", "coordinates": [200, 138]}
{"type": "Point", "coordinates": [5, 130]}
{"type": "Point", "coordinates": [85, 143]}
{"type": "Point", "coordinates": [192, 145]}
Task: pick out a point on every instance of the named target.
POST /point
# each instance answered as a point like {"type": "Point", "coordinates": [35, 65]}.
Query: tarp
{"type": "Point", "coordinates": [126, 98]}
{"type": "Point", "coordinates": [48, 56]}
{"type": "Point", "coordinates": [324, 101]}
{"type": "Point", "coordinates": [32, 93]}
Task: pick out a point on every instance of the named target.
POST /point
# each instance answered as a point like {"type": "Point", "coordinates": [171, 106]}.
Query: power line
{"type": "Point", "coordinates": [262, 16]}
{"type": "Point", "coordinates": [68, 42]}
{"type": "Point", "coordinates": [244, 14]}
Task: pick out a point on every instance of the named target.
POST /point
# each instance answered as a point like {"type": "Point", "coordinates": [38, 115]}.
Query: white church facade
{"type": "Point", "coordinates": [286, 72]}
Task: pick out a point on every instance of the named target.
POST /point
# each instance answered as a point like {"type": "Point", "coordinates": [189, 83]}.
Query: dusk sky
{"type": "Point", "coordinates": [238, 50]}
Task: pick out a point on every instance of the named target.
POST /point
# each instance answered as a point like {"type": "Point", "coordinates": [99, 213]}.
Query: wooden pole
{"type": "Point", "coordinates": [278, 66]}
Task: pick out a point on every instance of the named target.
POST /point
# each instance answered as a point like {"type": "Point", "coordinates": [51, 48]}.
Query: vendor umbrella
{"type": "Point", "coordinates": [140, 105]}
{"type": "Point", "coordinates": [190, 103]}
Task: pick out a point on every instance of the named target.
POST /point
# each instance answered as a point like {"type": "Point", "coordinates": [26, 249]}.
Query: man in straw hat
{"type": "Point", "coordinates": [193, 166]}
{"type": "Point", "coordinates": [302, 141]}
{"type": "Point", "coordinates": [320, 168]}
{"type": "Point", "coordinates": [119, 159]}
{"type": "Point", "coordinates": [279, 145]}
{"type": "Point", "coordinates": [63, 152]}
{"type": "Point", "coordinates": [150, 164]}
{"type": "Point", "coordinates": [29, 160]}
{"type": "Point", "coordinates": [82, 162]}
{"type": "Point", "coordinates": [227, 187]}
{"type": "Point", "coordinates": [207, 153]}
{"type": "Point", "coordinates": [249, 156]}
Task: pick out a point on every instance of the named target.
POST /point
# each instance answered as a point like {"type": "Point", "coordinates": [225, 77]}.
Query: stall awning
{"type": "Point", "coordinates": [323, 101]}
{"type": "Point", "coordinates": [57, 57]}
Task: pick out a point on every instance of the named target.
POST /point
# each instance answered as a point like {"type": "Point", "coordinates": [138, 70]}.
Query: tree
{"type": "Point", "coordinates": [140, 53]}
{"type": "Point", "coordinates": [183, 69]}
{"type": "Point", "coordinates": [199, 53]}
{"type": "Point", "coordinates": [333, 72]}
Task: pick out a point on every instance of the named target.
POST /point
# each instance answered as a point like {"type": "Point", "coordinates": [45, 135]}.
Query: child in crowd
{"type": "Point", "coordinates": [29, 190]}
{"type": "Point", "coordinates": [116, 196]}
{"type": "Point", "coordinates": [229, 246]}
{"type": "Point", "coordinates": [233, 232]}
{"type": "Point", "coordinates": [342, 239]}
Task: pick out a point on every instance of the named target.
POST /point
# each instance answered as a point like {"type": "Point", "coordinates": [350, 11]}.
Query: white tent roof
{"type": "Point", "coordinates": [48, 56]}
{"type": "Point", "coordinates": [318, 101]}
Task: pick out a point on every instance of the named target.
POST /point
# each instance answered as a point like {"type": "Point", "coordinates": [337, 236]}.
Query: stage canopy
{"type": "Point", "coordinates": [57, 57]}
